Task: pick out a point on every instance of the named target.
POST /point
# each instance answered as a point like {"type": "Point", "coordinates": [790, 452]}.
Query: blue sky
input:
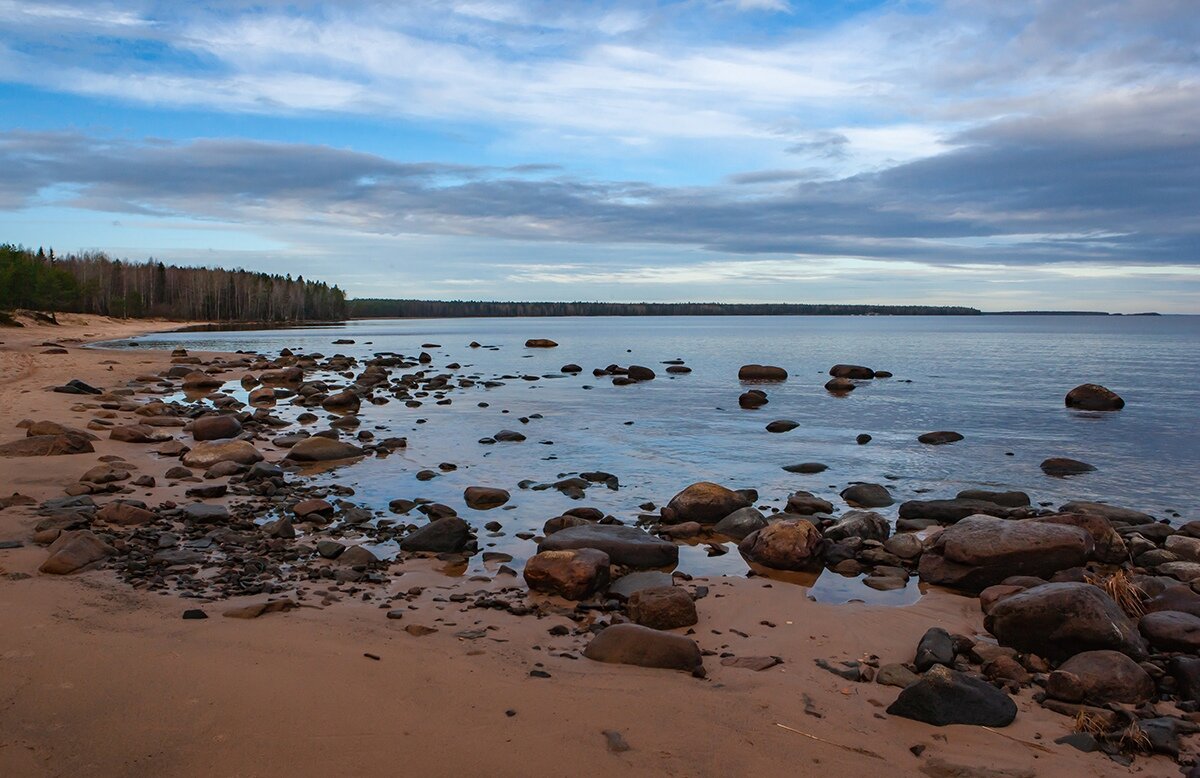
{"type": "Point", "coordinates": [1003, 155]}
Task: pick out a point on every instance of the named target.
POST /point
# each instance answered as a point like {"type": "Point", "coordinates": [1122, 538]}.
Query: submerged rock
{"type": "Point", "coordinates": [484, 498]}
{"type": "Point", "coordinates": [449, 534]}
{"type": "Point", "coordinates": [1094, 397]}
{"type": "Point", "coordinates": [762, 373]}
{"type": "Point", "coordinates": [939, 438]}
{"type": "Point", "coordinates": [1063, 466]}
{"type": "Point", "coordinates": [322, 449]}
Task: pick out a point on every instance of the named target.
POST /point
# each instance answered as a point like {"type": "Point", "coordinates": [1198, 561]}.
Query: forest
{"type": "Point", "coordinates": [92, 282]}
{"type": "Point", "coordinates": [368, 308]}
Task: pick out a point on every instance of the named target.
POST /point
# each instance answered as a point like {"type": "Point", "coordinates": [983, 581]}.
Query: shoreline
{"type": "Point", "coordinates": [296, 693]}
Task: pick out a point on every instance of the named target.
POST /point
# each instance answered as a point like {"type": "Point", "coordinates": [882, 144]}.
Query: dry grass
{"type": "Point", "coordinates": [1090, 723]}
{"type": "Point", "coordinates": [1132, 738]}
{"type": "Point", "coordinates": [1124, 592]}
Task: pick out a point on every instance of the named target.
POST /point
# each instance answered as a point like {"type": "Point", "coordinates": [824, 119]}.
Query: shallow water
{"type": "Point", "coordinates": [1000, 381]}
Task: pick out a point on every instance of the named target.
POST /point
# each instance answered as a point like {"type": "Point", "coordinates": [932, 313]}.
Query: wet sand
{"type": "Point", "coordinates": [98, 678]}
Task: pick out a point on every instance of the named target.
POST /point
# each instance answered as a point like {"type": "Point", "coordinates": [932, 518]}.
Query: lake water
{"type": "Point", "coordinates": [999, 381]}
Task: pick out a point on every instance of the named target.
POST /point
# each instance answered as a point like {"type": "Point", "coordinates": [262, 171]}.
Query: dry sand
{"type": "Point", "coordinates": [97, 678]}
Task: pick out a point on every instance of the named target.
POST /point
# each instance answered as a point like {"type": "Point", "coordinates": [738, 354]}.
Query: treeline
{"type": "Point", "coordinates": [372, 308]}
{"type": "Point", "coordinates": [94, 283]}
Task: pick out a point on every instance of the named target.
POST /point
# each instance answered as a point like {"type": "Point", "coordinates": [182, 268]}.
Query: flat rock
{"type": "Point", "coordinates": [321, 449]}
{"type": "Point", "coordinates": [981, 551]}
{"type": "Point", "coordinates": [47, 446]}
{"type": "Point", "coordinates": [209, 453]}
{"type": "Point", "coordinates": [940, 438]}
{"type": "Point", "coordinates": [762, 373]}
{"type": "Point", "coordinates": [74, 550]}
{"type": "Point", "coordinates": [633, 644]}
{"type": "Point", "coordinates": [1062, 466]}
{"type": "Point", "coordinates": [627, 546]}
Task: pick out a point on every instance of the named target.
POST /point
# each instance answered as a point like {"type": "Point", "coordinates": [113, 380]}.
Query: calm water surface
{"type": "Point", "coordinates": [1000, 381]}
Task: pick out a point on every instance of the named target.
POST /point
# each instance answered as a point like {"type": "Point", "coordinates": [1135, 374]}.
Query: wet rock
{"type": "Point", "coordinates": [863, 439]}
{"type": "Point", "coordinates": [939, 438]}
{"type": "Point", "coordinates": [839, 385]}
{"type": "Point", "coordinates": [789, 544]}
{"type": "Point", "coordinates": [483, 498]}
{"type": "Point", "coordinates": [1175, 598]}
{"type": "Point", "coordinates": [216, 427]}
{"type": "Point", "coordinates": [980, 551]}
{"type": "Point", "coordinates": [806, 504]}
{"type": "Point", "coordinates": [1005, 499]}
{"type": "Point", "coordinates": [1093, 397]}
{"type": "Point", "coordinates": [1108, 546]}
{"type": "Point", "coordinates": [137, 433]}
{"type": "Point", "coordinates": [627, 546]}
{"type": "Point", "coordinates": [633, 644]}
{"type": "Point", "coordinates": [204, 513]}
{"type": "Point", "coordinates": [896, 675]}
{"type": "Point", "coordinates": [571, 368]}
{"type": "Point", "coordinates": [867, 496]}
{"type": "Point", "coordinates": [508, 436]}
{"type": "Point", "coordinates": [935, 648]}
{"type": "Point", "coordinates": [782, 425]}
{"type": "Point", "coordinates": [1100, 677]}
{"type": "Point", "coordinates": [341, 402]}
{"type": "Point", "coordinates": [944, 696]}
{"type": "Point", "coordinates": [562, 522]}
{"type": "Point", "coordinates": [1115, 514]}
{"type": "Point", "coordinates": [857, 372]}
{"type": "Point", "coordinates": [198, 379]}
{"type": "Point", "coordinates": [1059, 620]}
{"type": "Point", "coordinates": [540, 343]}
{"type": "Point", "coordinates": [640, 373]}
{"type": "Point", "coordinates": [450, 534]}
{"type": "Point", "coordinates": [740, 523]}
{"type": "Point", "coordinates": [704, 502]}
{"type": "Point", "coordinates": [356, 556]}
{"type": "Point", "coordinates": [625, 586]}
{"type": "Point", "coordinates": [950, 511]}
{"type": "Point", "coordinates": [1172, 631]}
{"type": "Point", "coordinates": [755, 398]}
{"type": "Point", "coordinates": [312, 509]}
{"type": "Point", "coordinates": [807, 468]}
{"type": "Point", "coordinates": [1062, 466]}
{"type": "Point", "coordinates": [210, 453]}
{"type": "Point", "coordinates": [74, 550]}
{"type": "Point", "coordinates": [47, 446]}
{"type": "Point", "coordinates": [904, 545]}
{"type": "Point", "coordinates": [574, 574]}
{"type": "Point", "coordinates": [866, 525]}
{"type": "Point", "coordinates": [321, 449]}
{"type": "Point", "coordinates": [666, 608]}
{"type": "Point", "coordinates": [762, 373]}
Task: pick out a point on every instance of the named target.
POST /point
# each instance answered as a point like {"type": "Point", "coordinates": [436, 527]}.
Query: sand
{"type": "Point", "coordinates": [97, 678]}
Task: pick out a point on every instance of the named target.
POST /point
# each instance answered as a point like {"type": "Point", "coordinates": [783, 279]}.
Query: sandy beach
{"type": "Point", "coordinates": [101, 678]}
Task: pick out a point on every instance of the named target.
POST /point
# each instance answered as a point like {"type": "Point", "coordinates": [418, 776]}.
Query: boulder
{"type": "Point", "coordinates": [762, 373]}
{"type": "Point", "coordinates": [789, 544]}
{"type": "Point", "coordinates": [640, 373]}
{"type": "Point", "coordinates": [950, 511]}
{"type": "Point", "coordinates": [740, 523]}
{"type": "Point", "coordinates": [981, 551]}
{"type": "Point", "coordinates": [755, 398]}
{"type": "Point", "coordinates": [341, 402]}
{"type": "Point", "coordinates": [74, 550]}
{"type": "Point", "coordinates": [666, 608]}
{"type": "Point", "coordinates": [839, 385]}
{"type": "Point", "coordinates": [1115, 514]}
{"type": "Point", "coordinates": [1109, 547]}
{"type": "Point", "coordinates": [124, 514]}
{"type": "Point", "coordinates": [782, 425]}
{"type": "Point", "coordinates": [628, 546]}
{"type": "Point", "coordinates": [939, 438]}
{"type": "Point", "coordinates": [857, 372]}
{"type": "Point", "coordinates": [1172, 631]}
{"type": "Point", "coordinates": [867, 525]}
{"type": "Point", "coordinates": [54, 428]}
{"type": "Point", "coordinates": [1175, 598]}
{"type": "Point", "coordinates": [322, 449]}
{"type": "Point", "coordinates": [312, 508]}
{"type": "Point", "coordinates": [807, 503]}
{"type": "Point", "coordinates": [867, 495]}
{"type": "Point", "coordinates": [540, 343]}
{"type": "Point", "coordinates": [484, 498]}
{"type": "Point", "coordinates": [1100, 677]}
{"type": "Point", "coordinates": [209, 453]}
{"type": "Point", "coordinates": [216, 427]}
{"type": "Point", "coordinates": [1060, 620]}
{"type": "Point", "coordinates": [1062, 466]}
{"type": "Point", "coordinates": [633, 644]}
{"type": "Point", "coordinates": [944, 696]}
{"type": "Point", "coordinates": [198, 379]}
{"type": "Point", "coordinates": [1094, 397]}
{"type": "Point", "coordinates": [574, 574]}
{"type": "Point", "coordinates": [1006, 499]}
{"type": "Point", "coordinates": [936, 648]}
{"type": "Point", "coordinates": [562, 522]}
{"type": "Point", "coordinates": [450, 534]}
{"type": "Point", "coordinates": [704, 502]}
{"type": "Point", "coordinates": [508, 436]}
{"type": "Point", "coordinates": [625, 586]}
{"type": "Point", "coordinates": [137, 433]}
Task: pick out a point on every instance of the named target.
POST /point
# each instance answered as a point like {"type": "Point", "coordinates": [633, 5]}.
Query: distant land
{"type": "Point", "coordinates": [379, 308]}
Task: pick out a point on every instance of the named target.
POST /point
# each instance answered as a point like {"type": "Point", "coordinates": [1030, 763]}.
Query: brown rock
{"type": "Point", "coordinates": [857, 372]}
{"type": "Point", "coordinates": [704, 502]}
{"type": "Point", "coordinates": [216, 427]}
{"type": "Point", "coordinates": [345, 400]}
{"type": "Point", "coordinates": [540, 343]}
{"type": "Point", "coordinates": [1059, 620]}
{"type": "Point", "coordinates": [138, 433]}
{"type": "Point", "coordinates": [668, 607]}
{"type": "Point", "coordinates": [1100, 677]}
{"type": "Point", "coordinates": [790, 544]}
{"type": "Point", "coordinates": [124, 514]}
{"type": "Point", "coordinates": [1093, 397]}
{"type": "Point", "coordinates": [484, 498]}
{"type": "Point", "coordinates": [939, 438]}
{"type": "Point", "coordinates": [1172, 631]}
{"type": "Point", "coordinates": [762, 373]}
{"type": "Point", "coordinates": [207, 454]}
{"type": "Point", "coordinates": [321, 449]}
{"type": "Point", "coordinates": [74, 550]}
{"type": "Point", "coordinates": [633, 644]}
{"type": "Point", "coordinates": [1062, 466]}
{"type": "Point", "coordinates": [306, 509]}
{"type": "Point", "coordinates": [574, 574]}
{"type": "Point", "coordinates": [47, 446]}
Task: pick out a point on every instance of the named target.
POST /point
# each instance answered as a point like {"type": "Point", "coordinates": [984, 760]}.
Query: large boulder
{"type": "Point", "coordinates": [857, 372]}
{"type": "Point", "coordinates": [867, 495]}
{"type": "Point", "coordinates": [1109, 546]}
{"type": "Point", "coordinates": [1060, 620]}
{"type": "Point", "coordinates": [216, 427]}
{"type": "Point", "coordinates": [940, 438]}
{"type": "Point", "coordinates": [1100, 677]}
{"type": "Point", "coordinates": [74, 550]}
{"type": "Point", "coordinates": [1007, 499]}
{"type": "Point", "coordinates": [762, 373]}
{"type": "Point", "coordinates": [668, 607]}
{"type": "Point", "coordinates": [867, 525]}
{"type": "Point", "coordinates": [981, 551]}
{"type": "Point", "coordinates": [704, 502]}
{"type": "Point", "coordinates": [627, 546]}
{"type": "Point", "coordinates": [209, 453]}
{"type": "Point", "coordinates": [1060, 467]}
{"type": "Point", "coordinates": [574, 574]}
{"type": "Point", "coordinates": [540, 343]}
{"type": "Point", "coordinates": [944, 696]}
{"type": "Point", "coordinates": [1094, 397]}
{"type": "Point", "coordinates": [633, 644]}
{"type": "Point", "coordinates": [789, 544]}
{"type": "Point", "coordinates": [322, 449]}
{"type": "Point", "coordinates": [484, 498]}
{"type": "Point", "coordinates": [47, 446]}
{"type": "Point", "coordinates": [1172, 631]}
{"type": "Point", "coordinates": [448, 535]}
{"type": "Point", "coordinates": [740, 523]}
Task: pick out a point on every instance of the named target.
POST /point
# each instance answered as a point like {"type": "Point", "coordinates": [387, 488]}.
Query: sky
{"type": "Point", "coordinates": [1006, 155]}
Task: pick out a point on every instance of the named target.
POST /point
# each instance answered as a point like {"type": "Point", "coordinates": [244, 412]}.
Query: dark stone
{"type": "Point", "coordinates": [450, 534]}
{"type": "Point", "coordinates": [627, 546]}
{"type": "Point", "coordinates": [633, 644]}
{"type": "Point", "coordinates": [1059, 620]}
{"type": "Point", "coordinates": [936, 648]}
{"type": "Point", "coordinates": [944, 696]}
